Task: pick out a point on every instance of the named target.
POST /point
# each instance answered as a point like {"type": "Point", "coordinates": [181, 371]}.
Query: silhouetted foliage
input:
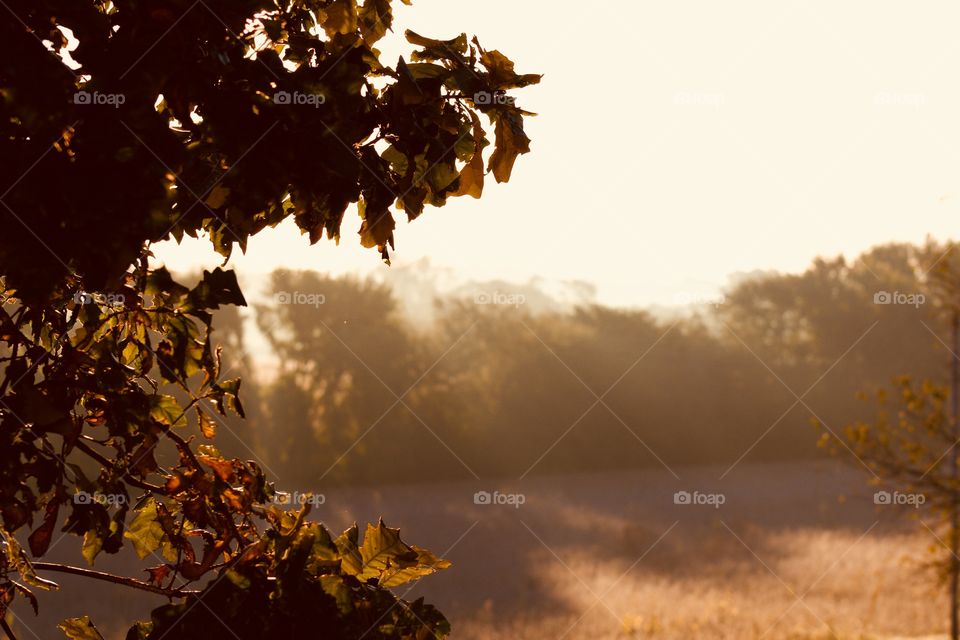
{"type": "Point", "coordinates": [218, 119]}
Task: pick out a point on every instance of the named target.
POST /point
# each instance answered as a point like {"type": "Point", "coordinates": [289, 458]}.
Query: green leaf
{"type": "Point", "coordinates": [335, 586]}
{"type": "Point", "coordinates": [226, 394]}
{"type": "Point", "coordinates": [241, 581]}
{"type": "Point", "coordinates": [165, 410]}
{"type": "Point", "coordinates": [350, 559]}
{"type": "Point", "coordinates": [79, 629]}
{"type": "Point", "coordinates": [92, 545]}
{"type": "Point", "coordinates": [145, 531]}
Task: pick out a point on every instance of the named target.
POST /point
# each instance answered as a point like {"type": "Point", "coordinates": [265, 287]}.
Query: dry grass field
{"type": "Point", "coordinates": [797, 551]}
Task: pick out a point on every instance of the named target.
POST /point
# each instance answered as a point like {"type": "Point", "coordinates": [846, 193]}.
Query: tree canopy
{"type": "Point", "coordinates": [125, 123]}
{"type": "Point", "coordinates": [227, 117]}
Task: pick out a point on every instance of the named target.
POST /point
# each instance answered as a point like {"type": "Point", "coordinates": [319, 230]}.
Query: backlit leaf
{"type": "Point", "coordinates": [511, 142]}
{"type": "Point", "coordinates": [145, 531]}
{"type": "Point", "coordinates": [79, 629]}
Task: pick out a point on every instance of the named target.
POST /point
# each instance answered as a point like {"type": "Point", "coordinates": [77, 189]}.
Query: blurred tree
{"type": "Point", "coordinates": [912, 444]}
{"type": "Point", "coordinates": [350, 365]}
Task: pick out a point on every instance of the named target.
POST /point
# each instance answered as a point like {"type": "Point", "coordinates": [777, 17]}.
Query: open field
{"type": "Point", "coordinates": [796, 551]}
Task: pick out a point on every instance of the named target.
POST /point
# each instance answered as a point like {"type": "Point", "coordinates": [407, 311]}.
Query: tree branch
{"type": "Point", "coordinates": [127, 476]}
{"type": "Point", "coordinates": [109, 577]}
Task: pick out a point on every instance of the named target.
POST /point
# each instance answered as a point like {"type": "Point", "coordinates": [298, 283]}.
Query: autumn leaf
{"type": "Point", "coordinates": [351, 560]}
{"type": "Point", "coordinates": [452, 49]}
{"type": "Point", "coordinates": [377, 227]}
{"type": "Point", "coordinates": [511, 142]}
{"type": "Point", "coordinates": [426, 564]}
{"type": "Point", "coordinates": [223, 468]}
{"type": "Point", "coordinates": [375, 19]}
{"type": "Point", "coordinates": [92, 545]}
{"type": "Point", "coordinates": [383, 550]}
{"type": "Point", "coordinates": [208, 427]}
{"type": "Point", "coordinates": [39, 540]}
{"type": "Point", "coordinates": [502, 75]}
{"type": "Point", "coordinates": [158, 574]}
{"type": "Point", "coordinates": [339, 16]}
{"type": "Point", "coordinates": [79, 629]}
{"type": "Point", "coordinates": [471, 176]}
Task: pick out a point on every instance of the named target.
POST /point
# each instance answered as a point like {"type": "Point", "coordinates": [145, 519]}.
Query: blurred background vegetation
{"type": "Point", "coordinates": [487, 382]}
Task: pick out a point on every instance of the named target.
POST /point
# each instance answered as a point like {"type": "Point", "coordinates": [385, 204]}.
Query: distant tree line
{"type": "Point", "coordinates": [494, 389]}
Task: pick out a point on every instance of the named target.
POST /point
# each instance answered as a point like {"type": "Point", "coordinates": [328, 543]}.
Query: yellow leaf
{"type": "Point", "coordinates": [79, 629]}
{"type": "Point", "coordinates": [208, 427]}
{"type": "Point", "coordinates": [92, 544]}
{"type": "Point", "coordinates": [145, 531]}
{"type": "Point", "coordinates": [471, 176]}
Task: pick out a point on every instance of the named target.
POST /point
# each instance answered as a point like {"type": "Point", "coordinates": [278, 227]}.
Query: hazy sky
{"type": "Point", "coordinates": [679, 142]}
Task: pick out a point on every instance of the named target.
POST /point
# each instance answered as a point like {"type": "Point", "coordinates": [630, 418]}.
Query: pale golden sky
{"type": "Point", "coordinates": [679, 142]}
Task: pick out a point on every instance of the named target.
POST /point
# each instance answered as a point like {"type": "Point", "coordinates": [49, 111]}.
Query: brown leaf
{"type": "Point", "coordinates": [158, 574]}
{"type": "Point", "coordinates": [40, 539]}
{"type": "Point", "coordinates": [223, 468]}
{"type": "Point", "coordinates": [511, 142]}
{"type": "Point", "coordinates": [377, 228]}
